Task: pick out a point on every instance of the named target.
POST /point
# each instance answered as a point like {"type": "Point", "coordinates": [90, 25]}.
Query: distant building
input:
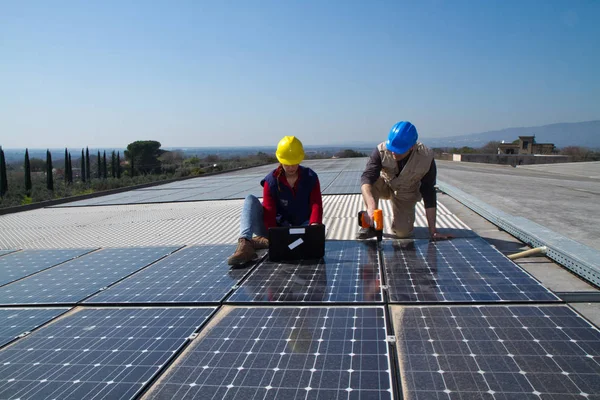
{"type": "Point", "coordinates": [526, 145]}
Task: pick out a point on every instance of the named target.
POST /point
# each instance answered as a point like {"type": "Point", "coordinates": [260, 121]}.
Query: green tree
{"type": "Point", "coordinates": [113, 164]}
{"type": "Point", "coordinates": [70, 169]}
{"type": "Point", "coordinates": [99, 171]}
{"type": "Point", "coordinates": [349, 153]}
{"type": "Point", "coordinates": [3, 176]}
{"type": "Point", "coordinates": [119, 165]}
{"type": "Point", "coordinates": [37, 164]}
{"type": "Point", "coordinates": [144, 155]}
{"type": "Point", "coordinates": [490, 147]}
{"type": "Point", "coordinates": [88, 173]}
{"type": "Point", "coordinates": [83, 175]}
{"type": "Point", "coordinates": [49, 177]}
{"type": "Point", "coordinates": [104, 169]}
{"type": "Point", "coordinates": [27, 173]}
{"type": "Point", "coordinates": [66, 170]}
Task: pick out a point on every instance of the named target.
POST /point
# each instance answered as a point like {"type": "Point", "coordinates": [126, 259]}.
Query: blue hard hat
{"type": "Point", "coordinates": [402, 137]}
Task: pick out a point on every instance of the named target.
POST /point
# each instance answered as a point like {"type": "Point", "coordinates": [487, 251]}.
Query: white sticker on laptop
{"type": "Point", "coordinates": [295, 244]}
{"type": "Point", "coordinates": [297, 231]}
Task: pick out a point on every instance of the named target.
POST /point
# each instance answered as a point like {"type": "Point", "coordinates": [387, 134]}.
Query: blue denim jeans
{"type": "Point", "coordinates": [251, 221]}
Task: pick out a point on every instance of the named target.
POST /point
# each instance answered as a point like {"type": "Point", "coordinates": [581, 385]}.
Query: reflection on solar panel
{"type": "Point", "coordinates": [5, 252]}
{"type": "Point", "coordinates": [285, 353]}
{"type": "Point", "coordinates": [74, 281]}
{"type": "Point", "coordinates": [491, 352]}
{"type": "Point", "coordinates": [26, 262]}
{"type": "Point", "coordinates": [349, 272]}
{"type": "Point", "coordinates": [16, 321]}
{"type": "Point", "coordinates": [193, 274]}
{"type": "Point", "coordinates": [458, 270]}
{"type": "Point", "coordinates": [110, 353]}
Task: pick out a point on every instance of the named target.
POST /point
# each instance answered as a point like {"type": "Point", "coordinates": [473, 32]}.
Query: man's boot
{"type": "Point", "coordinates": [243, 254]}
{"type": "Point", "coordinates": [366, 233]}
{"type": "Point", "coordinates": [260, 242]}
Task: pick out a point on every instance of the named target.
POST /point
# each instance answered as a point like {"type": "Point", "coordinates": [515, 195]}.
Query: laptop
{"type": "Point", "coordinates": [293, 243]}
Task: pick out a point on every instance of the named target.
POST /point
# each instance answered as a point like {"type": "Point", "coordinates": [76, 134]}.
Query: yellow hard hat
{"type": "Point", "coordinates": [290, 151]}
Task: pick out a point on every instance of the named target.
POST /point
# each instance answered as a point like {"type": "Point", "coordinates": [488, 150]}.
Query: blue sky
{"type": "Point", "coordinates": [232, 73]}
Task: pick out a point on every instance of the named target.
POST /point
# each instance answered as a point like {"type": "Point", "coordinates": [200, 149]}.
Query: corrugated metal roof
{"type": "Point", "coordinates": [205, 222]}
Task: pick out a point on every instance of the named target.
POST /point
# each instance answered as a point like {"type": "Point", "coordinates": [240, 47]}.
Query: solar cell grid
{"type": "Point", "coordinates": [5, 252]}
{"type": "Point", "coordinates": [459, 270]}
{"type": "Point", "coordinates": [285, 353]}
{"type": "Point", "coordinates": [349, 272]}
{"type": "Point", "coordinates": [497, 352]}
{"type": "Point", "coordinates": [96, 353]}
{"type": "Point", "coordinates": [26, 262]}
{"type": "Point", "coordinates": [16, 321]}
{"type": "Point", "coordinates": [194, 274]}
{"type": "Point", "coordinates": [73, 281]}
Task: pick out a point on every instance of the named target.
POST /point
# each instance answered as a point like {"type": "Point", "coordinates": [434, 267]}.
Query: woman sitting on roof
{"type": "Point", "coordinates": [291, 197]}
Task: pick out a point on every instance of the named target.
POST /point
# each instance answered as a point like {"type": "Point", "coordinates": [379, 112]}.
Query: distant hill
{"type": "Point", "coordinates": [563, 134]}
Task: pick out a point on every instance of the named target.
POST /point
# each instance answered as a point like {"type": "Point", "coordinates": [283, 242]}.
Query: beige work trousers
{"type": "Point", "coordinates": [403, 211]}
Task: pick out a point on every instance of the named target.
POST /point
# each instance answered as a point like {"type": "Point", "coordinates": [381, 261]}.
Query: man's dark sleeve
{"type": "Point", "coordinates": [428, 186]}
{"type": "Point", "coordinates": [372, 170]}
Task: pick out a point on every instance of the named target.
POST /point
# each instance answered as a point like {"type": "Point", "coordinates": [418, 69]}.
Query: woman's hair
{"type": "Point", "coordinates": [278, 173]}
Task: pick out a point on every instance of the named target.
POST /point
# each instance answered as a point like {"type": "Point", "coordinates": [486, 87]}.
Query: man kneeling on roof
{"type": "Point", "coordinates": [291, 197]}
{"type": "Point", "coordinates": [403, 171]}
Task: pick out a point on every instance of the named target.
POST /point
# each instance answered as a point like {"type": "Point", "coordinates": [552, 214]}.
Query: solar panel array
{"type": "Point", "coordinates": [197, 274]}
{"type": "Point", "coordinates": [458, 270]}
{"type": "Point", "coordinates": [349, 273]}
{"type": "Point", "coordinates": [96, 353]}
{"type": "Point", "coordinates": [15, 322]}
{"type": "Point", "coordinates": [74, 281]}
{"type": "Point", "coordinates": [495, 352]}
{"type": "Point", "coordinates": [171, 322]}
{"type": "Point", "coordinates": [335, 345]}
{"type": "Point", "coordinates": [26, 262]}
{"type": "Point", "coordinates": [335, 176]}
{"type": "Point", "coordinates": [5, 252]}
{"type": "Point", "coordinates": [285, 353]}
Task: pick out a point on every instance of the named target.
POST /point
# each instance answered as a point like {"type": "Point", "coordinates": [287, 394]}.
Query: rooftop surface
{"type": "Point", "coordinates": [561, 197]}
{"type": "Point", "coordinates": [129, 296]}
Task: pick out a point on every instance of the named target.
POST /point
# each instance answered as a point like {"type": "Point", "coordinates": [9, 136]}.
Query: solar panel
{"type": "Point", "coordinates": [457, 270]}
{"type": "Point", "coordinates": [285, 353]}
{"type": "Point", "coordinates": [26, 262]}
{"type": "Point", "coordinates": [497, 352]}
{"type": "Point", "coordinates": [194, 274]}
{"type": "Point", "coordinates": [5, 252]}
{"type": "Point", "coordinates": [74, 281]}
{"type": "Point", "coordinates": [17, 321]}
{"type": "Point", "coordinates": [349, 272]}
{"type": "Point", "coordinates": [96, 353]}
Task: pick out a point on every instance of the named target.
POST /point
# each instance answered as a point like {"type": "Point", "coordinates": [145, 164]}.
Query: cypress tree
{"type": "Point", "coordinates": [49, 177]}
{"type": "Point", "coordinates": [3, 175]}
{"type": "Point", "coordinates": [88, 173]}
{"type": "Point", "coordinates": [66, 173]}
{"type": "Point", "coordinates": [104, 170]}
{"type": "Point", "coordinates": [99, 172]}
{"type": "Point", "coordinates": [119, 165]}
{"type": "Point", "coordinates": [132, 168]}
{"type": "Point", "coordinates": [70, 169]}
{"type": "Point", "coordinates": [82, 166]}
{"type": "Point", "coordinates": [113, 164]}
{"type": "Point", "coordinates": [27, 173]}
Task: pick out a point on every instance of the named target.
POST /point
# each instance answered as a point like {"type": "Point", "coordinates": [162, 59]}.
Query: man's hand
{"type": "Point", "coordinates": [369, 216]}
{"type": "Point", "coordinates": [439, 236]}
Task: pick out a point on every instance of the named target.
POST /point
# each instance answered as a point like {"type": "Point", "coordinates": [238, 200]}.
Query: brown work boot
{"type": "Point", "coordinates": [244, 253]}
{"type": "Point", "coordinates": [260, 242]}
